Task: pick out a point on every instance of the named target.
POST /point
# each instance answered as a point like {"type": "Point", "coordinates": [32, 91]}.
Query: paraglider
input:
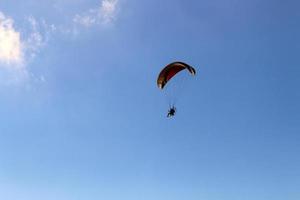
{"type": "Point", "coordinates": [167, 73]}
{"type": "Point", "coordinates": [171, 111]}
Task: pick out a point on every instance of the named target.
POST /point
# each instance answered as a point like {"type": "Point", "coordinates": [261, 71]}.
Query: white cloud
{"type": "Point", "coordinates": [19, 45]}
{"type": "Point", "coordinates": [18, 48]}
{"type": "Point", "coordinates": [36, 38]}
{"type": "Point", "coordinates": [108, 10]}
{"type": "Point", "coordinates": [11, 51]}
{"type": "Point", "coordinates": [85, 20]}
{"type": "Point", "coordinates": [105, 14]}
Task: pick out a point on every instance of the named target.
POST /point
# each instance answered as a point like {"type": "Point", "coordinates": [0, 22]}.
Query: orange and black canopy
{"type": "Point", "coordinates": [170, 71]}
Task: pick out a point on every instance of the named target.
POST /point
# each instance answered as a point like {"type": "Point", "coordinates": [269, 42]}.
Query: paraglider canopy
{"type": "Point", "coordinates": [170, 71]}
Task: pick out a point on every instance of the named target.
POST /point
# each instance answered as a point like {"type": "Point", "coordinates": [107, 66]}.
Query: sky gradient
{"type": "Point", "coordinates": [82, 117]}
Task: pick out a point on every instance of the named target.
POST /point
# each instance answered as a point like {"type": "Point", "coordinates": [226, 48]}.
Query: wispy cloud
{"type": "Point", "coordinates": [39, 35]}
{"type": "Point", "coordinates": [108, 10]}
{"type": "Point", "coordinates": [106, 13]}
{"type": "Point", "coordinates": [19, 47]}
{"type": "Point", "coordinates": [11, 49]}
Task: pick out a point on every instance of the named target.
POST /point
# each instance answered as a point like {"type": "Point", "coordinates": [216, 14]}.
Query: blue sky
{"type": "Point", "coordinates": [82, 117]}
